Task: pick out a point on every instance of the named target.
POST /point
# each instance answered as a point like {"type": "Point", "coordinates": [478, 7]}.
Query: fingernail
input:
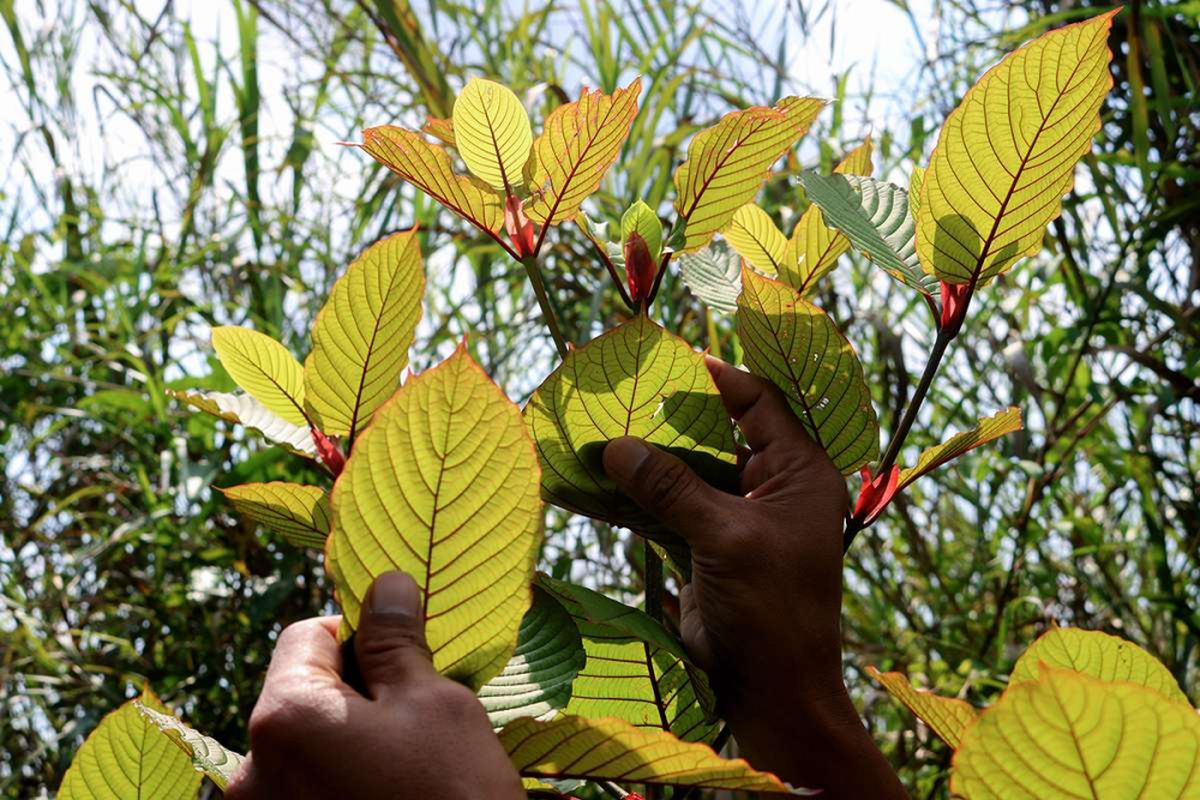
{"type": "Point", "coordinates": [394, 594]}
{"type": "Point", "coordinates": [623, 456]}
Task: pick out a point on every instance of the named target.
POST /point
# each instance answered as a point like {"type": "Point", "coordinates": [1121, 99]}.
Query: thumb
{"type": "Point", "coordinates": [389, 644]}
{"type": "Point", "coordinates": [664, 486]}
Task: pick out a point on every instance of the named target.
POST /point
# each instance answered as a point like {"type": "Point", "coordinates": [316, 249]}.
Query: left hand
{"type": "Point", "coordinates": [418, 734]}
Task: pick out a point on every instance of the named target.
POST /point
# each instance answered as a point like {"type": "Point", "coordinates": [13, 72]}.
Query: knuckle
{"type": "Point", "coordinates": [274, 722]}
{"type": "Point", "coordinates": [449, 701]}
{"type": "Point", "coordinates": [669, 485]}
{"type": "Point", "coordinates": [383, 641]}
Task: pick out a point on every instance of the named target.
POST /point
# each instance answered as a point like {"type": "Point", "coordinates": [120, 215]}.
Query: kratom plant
{"type": "Point", "coordinates": [442, 476]}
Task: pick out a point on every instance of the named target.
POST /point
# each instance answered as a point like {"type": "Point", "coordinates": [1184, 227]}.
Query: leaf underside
{"type": "Point", "coordinates": [264, 369]}
{"type": "Point", "coordinates": [947, 717]}
{"type": "Point", "coordinates": [989, 429]}
{"type": "Point", "coordinates": [242, 409]}
{"type": "Point", "coordinates": [635, 380]}
{"type": "Point", "coordinates": [795, 345]}
{"type": "Point", "coordinates": [713, 274]}
{"type": "Point", "coordinates": [492, 133]}
{"type": "Point", "coordinates": [298, 513]}
{"type": "Point", "coordinates": [444, 486]}
{"type": "Point", "coordinates": [207, 755]}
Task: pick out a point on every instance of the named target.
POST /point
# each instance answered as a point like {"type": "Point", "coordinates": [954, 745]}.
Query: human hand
{"type": "Point", "coordinates": [762, 612]}
{"type": "Point", "coordinates": [417, 734]}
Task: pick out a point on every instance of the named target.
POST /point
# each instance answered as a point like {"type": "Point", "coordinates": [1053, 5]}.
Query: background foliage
{"type": "Point", "coordinates": [159, 181]}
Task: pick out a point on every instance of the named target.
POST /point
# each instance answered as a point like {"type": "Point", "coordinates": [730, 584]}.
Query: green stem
{"type": "Point", "coordinates": [654, 582]}
{"type": "Point", "coordinates": [539, 289]}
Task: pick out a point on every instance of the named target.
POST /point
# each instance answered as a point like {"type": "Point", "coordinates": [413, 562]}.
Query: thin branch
{"type": "Point", "coordinates": [539, 289]}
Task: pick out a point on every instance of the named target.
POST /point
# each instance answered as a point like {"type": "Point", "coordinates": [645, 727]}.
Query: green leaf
{"type": "Point", "coordinates": [537, 680]}
{"type": "Point", "coordinates": [874, 217]}
{"type": "Point", "coordinates": [635, 380]}
{"type": "Point", "coordinates": [948, 717]}
{"type": "Point", "coordinates": [1099, 655]}
{"type": "Point", "coordinates": [578, 144]}
{"type": "Point", "coordinates": [298, 513]}
{"type": "Point", "coordinates": [714, 274]}
{"type": "Point", "coordinates": [1068, 735]}
{"type": "Point", "coordinates": [428, 167]}
{"type": "Point", "coordinates": [988, 429]}
{"type": "Point", "coordinates": [440, 129]}
{"type": "Point", "coordinates": [612, 749]}
{"type": "Point", "coordinates": [263, 368]}
{"type": "Point", "coordinates": [492, 133]}
{"type": "Point", "coordinates": [640, 218]}
{"type": "Point", "coordinates": [125, 757]}
{"type": "Point", "coordinates": [444, 485]}
{"type": "Point", "coordinates": [242, 409]}
{"type": "Point", "coordinates": [795, 345]}
{"type": "Point", "coordinates": [1007, 154]}
{"type": "Point", "coordinates": [362, 335]}
{"type": "Point", "coordinates": [727, 163]}
{"type": "Point", "coordinates": [814, 247]}
{"type": "Point", "coordinates": [753, 234]}
{"type": "Point", "coordinates": [207, 754]}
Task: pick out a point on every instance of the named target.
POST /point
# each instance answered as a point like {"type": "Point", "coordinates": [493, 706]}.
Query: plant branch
{"type": "Point", "coordinates": [910, 413]}
{"type": "Point", "coordinates": [654, 582]}
{"type": "Point", "coordinates": [539, 289]}
{"type": "Point", "coordinates": [608, 265]}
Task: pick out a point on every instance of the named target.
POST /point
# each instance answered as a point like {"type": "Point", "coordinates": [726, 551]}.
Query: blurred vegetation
{"type": "Point", "coordinates": [160, 180]}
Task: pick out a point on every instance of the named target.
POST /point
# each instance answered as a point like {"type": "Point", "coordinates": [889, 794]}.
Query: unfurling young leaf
{"type": "Point", "coordinates": [1007, 154]}
{"type": "Point", "coordinates": [264, 369]}
{"type": "Point", "coordinates": [948, 717]}
{"type": "Point", "coordinates": [640, 218]}
{"type": "Point", "coordinates": [612, 749]}
{"type": "Point", "coordinates": [362, 335]}
{"type": "Point", "coordinates": [577, 145]}
{"type": "Point", "coordinates": [444, 485]}
{"type": "Point", "coordinates": [300, 514]}
{"type": "Point", "coordinates": [207, 755]}
{"type": "Point", "coordinates": [127, 756]}
{"type": "Point", "coordinates": [242, 409]}
{"type": "Point", "coordinates": [713, 274]}
{"type": "Point", "coordinates": [727, 164]}
{"type": "Point", "coordinates": [492, 133]}
{"type": "Point", "coordinates": [796, 346]}
{"type": "Point", "coordinates": [754, 236]}
{"type": "Point", "coordinates": [635, 380]}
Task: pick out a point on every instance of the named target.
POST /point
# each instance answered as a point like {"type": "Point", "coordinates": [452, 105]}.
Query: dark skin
{"type": "Point", "coordinates": [761, 616]}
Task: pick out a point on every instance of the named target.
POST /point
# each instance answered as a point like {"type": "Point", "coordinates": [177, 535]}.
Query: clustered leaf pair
{"type": "Point", "coordinates": [444, 477]}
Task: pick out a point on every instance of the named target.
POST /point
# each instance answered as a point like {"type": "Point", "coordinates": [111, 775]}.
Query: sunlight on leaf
{"type": "Point", "coordinates": [362, 335]}
{"type": "Point", "coordinates": [640, 218]}
{"type": "Point", "coordinates": [713, 274]}
{"type": "Point", "coordinates": [444, 485]}
{"type": "Point", "coordinates": [947, 717]}
{"type": "Point", "coordinates": [492, 133]}
{"type": "Point", "coordinates": [754, 236]}
{"type": "Point", "coordinates": [207, 754]}
{"type": "Point", "coordinates": [263, 368]}
{"type": "Point", "coordinates": [440, 129]}
{"type": "Point", "coordinates": [989, 429]}
{"type": "Point", "coordinates": [796, 346]}
{"type": "Point", "coordinates": [242, 409]}
{"type": "Point", "coordinates": [298, 513]}
{"type": "Point", "coordinates": [1007, 154]}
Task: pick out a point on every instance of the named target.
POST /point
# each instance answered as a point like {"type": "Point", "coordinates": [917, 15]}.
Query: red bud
{"type": "Point", "coordinates": [955, 297]}
{"type": "Point", "coordinates": [331, 455]}
{"type": "Point", "coordinates": [875, 494]}
{"type": "Point", "coordinates": [640, 268]}
{"type": "Point", "coordinates": [518, 226]}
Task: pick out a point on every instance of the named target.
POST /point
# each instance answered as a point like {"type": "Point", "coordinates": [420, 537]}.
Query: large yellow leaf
{"type": "Point", "coordinates": [242, 409]}
{"type": "Point", "coordinates": [948, 717]}
{"type": "Point", "coordinates": [298, 513]}
{"type": "Point", "coordinates": [492, 133]}
{"type": "Point", "coordinates": [362, 335]}
{"type": "Point", "coordinates": [126, 756]}
{"type": "Point", "coordinates": [265, 369]}
{"type": "Point", "coordinates": [753, 234]}
{"type": "Point", "coordinates": [427, 167]}
{"type": "Point", "coordinates": [814, 247]}
{"type": "Point", "coordinates": [727, 163]}
{"type": "Point", "coordinates": [1007, 154]}
{"type": "Point", "coordinates": [207, 755]}
{"type": "Point", "coordinates": [1098, 655]}
{"type": "Point", "coordinates": [635, 380]}
{"type": "Point", "coordinates": [611, 749]}
{"type": "Point", "coordinates": [988, 429]}
{"type": "Point", "coordinates": [796, 346]}
{"type": "Point", "coordinates": [1069, 736]}
{"type": "Point", "coordinates": [444, 485]}
{"type": "Point", "coordinates": [577, 145]}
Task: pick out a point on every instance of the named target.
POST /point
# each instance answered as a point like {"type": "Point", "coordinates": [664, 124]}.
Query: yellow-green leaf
{"type": "Point", "coordinates": [207, 754]}
{"type": "Point", "coordinates": [815, 247]}
{"type": "Point", "coordinates": [492, 133]}
{"type": "Point", "coordinates": [242, 409]}
{"type": "Point", "coordinates": [536, 682]}
{"type": "Point", "coordinates": [427, 167]}
{"type": "Point", "coordinates": [635, 380]}
{"type": "Point", "coordinates": [126, 756]}
{"type": "Point", "coordinates": [362, 335]}
{"type": "Point", "coordinates": [753, 234]}
{"type": "Point", "coordinates": [1096, 654]}
{"type": "Point", "coordinates": [300, 514]}
{"type": "Point", "coordinates": [948, 717]}
{"type": "Point", "coordinates": [578, 144]}
{"type": "Point", "coordinates": [444, 485]}
{"type": "Point", "coordinates": [727, 163]}
{"type": "Point", "coordinates": [1007, 154]}
{"type": "Point", "coordinates": [612, 749]}
{"type": "Point", "coordinates": [440, 129]}
{"type": "Point", "coordinates": [713, 274]}
{"type": "Point", "coordinates": [914, 194]}
{"type": "Point", "coordinates": [635, 669]}
{"type": "Point", "coordinates": [796, 346]}
{"type": "Point", "coordinates": [640, 218]}
{"type": "Point", "coordinates": [264, 369]}
{"type": "Point", "coordinates": [1068, 735]}
{"type": "Point", "coordinates": [988, 429]}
